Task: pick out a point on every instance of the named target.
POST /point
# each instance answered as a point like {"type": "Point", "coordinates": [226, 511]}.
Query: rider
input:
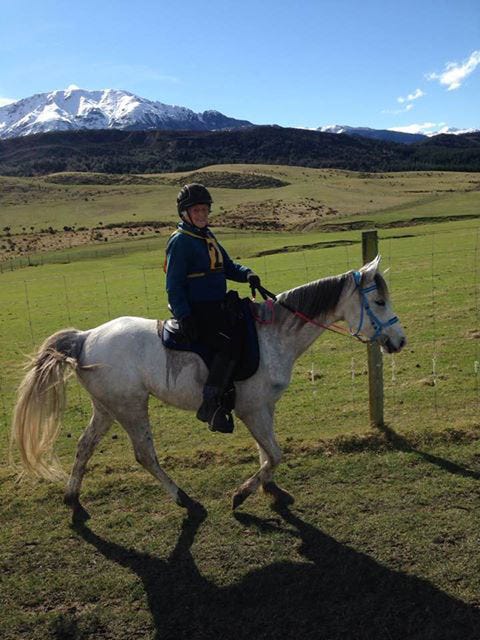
{"type": "Point", "coordinates": [197, 269]}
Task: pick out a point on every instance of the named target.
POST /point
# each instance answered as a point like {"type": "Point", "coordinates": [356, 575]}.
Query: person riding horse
{"type": "Point", "coordinates": [197, 268]}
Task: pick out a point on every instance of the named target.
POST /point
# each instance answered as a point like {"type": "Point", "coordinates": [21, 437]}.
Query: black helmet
{"type": "Point", "coordinates": [192, 194]}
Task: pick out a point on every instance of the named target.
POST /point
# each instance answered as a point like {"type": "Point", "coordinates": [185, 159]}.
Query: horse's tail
{"type": "Point", "coordinates": [41, 402]}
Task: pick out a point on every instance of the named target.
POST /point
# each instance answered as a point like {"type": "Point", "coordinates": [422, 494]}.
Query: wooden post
{"type": "Point", "coordinates": [375, 362]}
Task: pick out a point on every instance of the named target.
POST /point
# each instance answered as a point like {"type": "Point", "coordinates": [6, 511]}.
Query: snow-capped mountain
{"type": "Point", "coordinates": [376, 134]}
{"type": "Point", "coordinates": [452, 131]}
{"type": "Point", "coordinates": [75, 109]}
{"type": "Point", "coordinates": [392, 135]}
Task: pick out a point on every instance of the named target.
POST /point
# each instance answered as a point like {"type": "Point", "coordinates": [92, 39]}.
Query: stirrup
{"type": "Point", "coordinates": [218, 416]}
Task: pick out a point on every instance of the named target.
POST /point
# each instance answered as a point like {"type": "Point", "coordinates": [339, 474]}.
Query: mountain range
{"type": "Point", "coordinates": [77, 109]}
{"type": "Point", "coordinates": [391, 135]}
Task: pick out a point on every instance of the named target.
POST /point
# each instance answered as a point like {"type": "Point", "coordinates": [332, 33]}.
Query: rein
{"type": "Point", "coordinates": [336, 328]}
{"type": "Point", "coordinates": [377, 324]}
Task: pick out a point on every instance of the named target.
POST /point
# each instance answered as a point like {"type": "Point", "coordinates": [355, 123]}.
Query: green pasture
{"type": "Point", "coordinates": [376, 546]}
{"type": "Point", "coordinates": [382, 541]}
{"type": "Point", "coordinates": [41, 203]}
{"type": "Point", "coordinates": [433, 274]}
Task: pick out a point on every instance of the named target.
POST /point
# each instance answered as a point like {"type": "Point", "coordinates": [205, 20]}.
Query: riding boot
{"type": "Point", "coordinates": [212, 410]}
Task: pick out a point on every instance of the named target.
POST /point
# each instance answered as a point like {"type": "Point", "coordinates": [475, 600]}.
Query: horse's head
{"type": "Point", "coordinates": [368, 310]}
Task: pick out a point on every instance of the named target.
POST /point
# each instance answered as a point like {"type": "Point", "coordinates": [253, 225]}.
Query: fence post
{"type": "Point", "coordinates": [375, 362]}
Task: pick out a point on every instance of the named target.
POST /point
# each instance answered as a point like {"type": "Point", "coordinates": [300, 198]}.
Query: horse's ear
{"type": "Point", "coordinates": [369, 270]}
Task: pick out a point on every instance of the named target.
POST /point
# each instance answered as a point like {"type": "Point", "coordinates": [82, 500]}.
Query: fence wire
{"type": "Point", "coordinates": [438, 378]}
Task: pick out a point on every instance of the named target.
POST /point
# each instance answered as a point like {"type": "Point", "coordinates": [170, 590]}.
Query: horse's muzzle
{"type": "Point", "coordinates": [390, 346]}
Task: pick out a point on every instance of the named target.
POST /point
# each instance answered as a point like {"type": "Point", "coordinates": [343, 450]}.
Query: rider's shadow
{"type": "Point", "coordinates": [336, 592]}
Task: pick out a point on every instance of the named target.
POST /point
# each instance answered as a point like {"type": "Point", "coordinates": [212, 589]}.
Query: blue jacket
{"type": "Point", "coordinates": [197, 268]}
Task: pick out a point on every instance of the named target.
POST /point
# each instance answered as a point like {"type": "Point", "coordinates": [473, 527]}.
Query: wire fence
{"type": "Point", "coordinates": [435, 286]}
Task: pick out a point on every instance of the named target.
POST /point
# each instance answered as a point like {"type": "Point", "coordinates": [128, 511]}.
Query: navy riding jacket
{"type": "Point", "coordinates": [197, 268]}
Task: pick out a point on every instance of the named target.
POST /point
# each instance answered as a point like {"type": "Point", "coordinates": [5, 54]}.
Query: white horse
{"type": "Point", "coordinates": [122, 362]}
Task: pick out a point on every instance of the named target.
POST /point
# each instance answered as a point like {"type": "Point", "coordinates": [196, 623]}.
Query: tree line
{"type": "Point", "coordinates": [121, 152]}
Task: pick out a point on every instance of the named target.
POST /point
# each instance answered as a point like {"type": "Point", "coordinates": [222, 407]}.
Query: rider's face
{"type": "Point", "coordinates": [199, 215]}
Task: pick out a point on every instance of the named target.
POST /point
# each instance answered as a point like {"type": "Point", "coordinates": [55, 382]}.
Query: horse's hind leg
{"type": "Point", "coordinates": [99, 424]}
{"type": "Point", "coordinates": [138, 428]}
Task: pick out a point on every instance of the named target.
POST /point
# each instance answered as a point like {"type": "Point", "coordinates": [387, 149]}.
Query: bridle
{"type": "Point", "coordinates": [377, 324]}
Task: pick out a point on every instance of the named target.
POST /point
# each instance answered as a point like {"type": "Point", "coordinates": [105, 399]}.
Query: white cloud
{"type": "Point", "coordinates": [418, 93]}
{"type": "Point", "coordinates": [425, 127]}
{"type": "Point", "coordinates": [5, 101]}
{"type": "Point", "coordinates": [407, 101]}
{"type": "Point", "coordinates": [455, 73]}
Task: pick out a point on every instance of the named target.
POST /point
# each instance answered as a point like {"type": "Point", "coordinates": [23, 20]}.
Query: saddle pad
{"type": "Point", "coordinates": [245, 368]}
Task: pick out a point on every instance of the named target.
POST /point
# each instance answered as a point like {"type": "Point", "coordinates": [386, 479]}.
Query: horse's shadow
{"type": "Point", "coordinates": [336, 592]}
{"type": "Point", "coordinates": [401, 443]}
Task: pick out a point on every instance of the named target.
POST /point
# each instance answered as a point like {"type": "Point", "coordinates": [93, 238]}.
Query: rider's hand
{"type": "Point", "coordinates": [253, 280]}
{"type": "Point", "coordinates": [189, 328]}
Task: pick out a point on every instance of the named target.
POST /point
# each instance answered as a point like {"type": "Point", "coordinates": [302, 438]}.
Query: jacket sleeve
{"type": "Point", "coordinates": [233, 270]}
{"type": "Point", "coordinates": [177, 278]}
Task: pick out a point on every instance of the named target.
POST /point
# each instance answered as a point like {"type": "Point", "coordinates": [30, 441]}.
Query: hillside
{"type": "Point", "coordinates": [167, 151]}
{"type": "Point", "coordinates": [65, 210]}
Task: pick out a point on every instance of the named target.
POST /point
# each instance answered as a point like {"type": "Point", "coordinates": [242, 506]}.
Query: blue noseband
{"type": "Point", "coordinates": [377, 324]}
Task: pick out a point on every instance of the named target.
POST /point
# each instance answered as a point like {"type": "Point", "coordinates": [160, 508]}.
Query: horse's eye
{"type": "Point", "coordinates": [381, 303]}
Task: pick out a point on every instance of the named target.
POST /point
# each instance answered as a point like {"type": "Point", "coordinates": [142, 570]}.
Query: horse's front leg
{"type": "Point", "coordinates": [260, 425]}
{"type": "Point", "coordinates": [271, 488]}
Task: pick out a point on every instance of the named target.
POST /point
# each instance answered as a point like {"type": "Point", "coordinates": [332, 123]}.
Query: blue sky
{"type": "Point", "coordinates": [384, 64]}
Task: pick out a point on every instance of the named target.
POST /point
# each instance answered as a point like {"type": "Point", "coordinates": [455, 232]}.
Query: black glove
{"type": "Point", "coordinates": [253, 281]}
{"type": "Point", "coordinates": [188, 327]}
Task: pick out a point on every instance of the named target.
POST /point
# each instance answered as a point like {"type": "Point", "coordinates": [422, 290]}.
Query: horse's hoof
{"type": "Point", "coordinates": [279, 496]}
{"type": "Point", "coordinates": [79, 515]}
{"type": "Point", "coordinates": [239, 498]}
{"type": "Point", "coordinates": [192, 506]}
{"type": "Point", "coordinates": [70, 500]}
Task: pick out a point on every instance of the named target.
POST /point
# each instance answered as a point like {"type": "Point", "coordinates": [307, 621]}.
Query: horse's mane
{"type": "Point", "coordinates": [317, 297]}
{"type": "Point", "coordinates": [322, 296]}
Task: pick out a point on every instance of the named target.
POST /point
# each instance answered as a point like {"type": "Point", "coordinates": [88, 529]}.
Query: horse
{"type": "Point", "coordinates": [122, 362]}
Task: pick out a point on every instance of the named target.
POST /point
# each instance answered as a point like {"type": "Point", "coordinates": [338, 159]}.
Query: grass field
{"type": "Point", "coordinates": [382, 540]}
{"type": "Point", "coordinates": [378, 546]}
{"type": "Point", "coordinates": [321, 194]}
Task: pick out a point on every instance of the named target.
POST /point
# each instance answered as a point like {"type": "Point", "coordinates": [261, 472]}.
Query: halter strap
{"type": "Point", "coordinates": [377, 324]}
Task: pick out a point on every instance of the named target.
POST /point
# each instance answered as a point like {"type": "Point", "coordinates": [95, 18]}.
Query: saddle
{"type": "Point", "coordinates": [172, 338]}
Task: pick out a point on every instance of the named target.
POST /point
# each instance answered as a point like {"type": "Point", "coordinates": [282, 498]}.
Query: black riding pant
{"type": "Point", "coordinates": [219, 327]}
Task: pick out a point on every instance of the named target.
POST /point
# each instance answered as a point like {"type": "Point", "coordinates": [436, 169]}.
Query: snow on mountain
{"type": "Point", "coordinates": [406, 135]}
{"type": "Point", "coordinates": [453, 131]}
{"type": "Point", "coordinates": [335, 128]}
{"type": "Point", "coordinates": [375, 134]}
{"type": "Point", "coordinates": [74, 109]}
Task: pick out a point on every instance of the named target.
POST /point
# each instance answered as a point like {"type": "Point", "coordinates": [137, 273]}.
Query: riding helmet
{"type": "Point", "coordinates": [192, 194]}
